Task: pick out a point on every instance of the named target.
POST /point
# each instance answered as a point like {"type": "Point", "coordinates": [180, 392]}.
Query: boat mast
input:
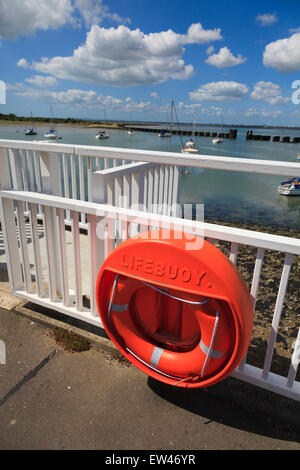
{"type": "Point", "coordinates": [171, 124]}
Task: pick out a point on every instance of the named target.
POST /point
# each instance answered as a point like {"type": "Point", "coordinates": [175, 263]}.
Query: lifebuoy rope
{"type": "Point", "coordinates": [202, 302]}
{"type": "Point", "coordinates": [208, 355]}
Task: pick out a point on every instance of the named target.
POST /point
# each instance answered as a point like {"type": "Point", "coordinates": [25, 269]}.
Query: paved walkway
{"type": "Point", "coordinates": [51, 399]}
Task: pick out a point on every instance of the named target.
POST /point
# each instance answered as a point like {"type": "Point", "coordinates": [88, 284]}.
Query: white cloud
{"type": "Point", "coordinates": [26, 16]}
{"type": "Point", "coordinates": [41, 81]}
{"type": "Point", "coordinates": [197, 34]}
{"type": "Point", "coordinates": [284, 54]}
{"type": "Point", "coordinates": [188, 108]}
{"type": "Point", "coordinates": [72, 97]}
{"type": "Point", "coordinates": [23, 63]}
{"type": "Point", "coordinates": [224, 58]}
{"type": "Point", "coordinates": [94, 12]}
{"type": "Point", "coordinates": [294, 30]}
{"type": "Point", "coordinates": [262, 112]}
{"type": "Point", "coordinates": [22, 17]}
{"type": "Point", "coordinates": [124, 57]}
{"type": "Point", "coordinates": [219, 91]}
{"type": "Point", "coordinates": [210, 50]}
{"type": "Point", "coordinates": [267, 19]}
{"type": "Point", "coordinates": [154, 95]}
{"type": "Point", "coordinates": [269, 92]}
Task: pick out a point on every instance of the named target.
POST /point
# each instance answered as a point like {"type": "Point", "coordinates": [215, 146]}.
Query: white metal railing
{"type": "Point", "coordinates": [57, 268]}
{"type": "Point", "coordinates": [66, 170]}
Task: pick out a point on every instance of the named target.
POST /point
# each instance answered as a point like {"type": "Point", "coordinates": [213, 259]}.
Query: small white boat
{"type": "Point", "coordinates": [52, 134]}
{"type": "Point", "coordinates": [164, 134]}
{"type": "Point", "coordinates": [190, 147]}
{"type": "Point", "coordinates": [102, 135]}
{"type": "Point", "coordinates": [130, 132]}
{"type": "Point", "coordinates": [217, 140]}
{"type": "Point", "coordinates": [291, 187]}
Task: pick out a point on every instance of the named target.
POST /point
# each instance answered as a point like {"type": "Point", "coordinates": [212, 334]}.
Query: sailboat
{"type": "Point", "coordinates": [52, 132]}
{"type": "Point", "coordinates": [102, 134]}
{"type": "Point", "coordinates": [218, 140]}
{"type": "Point", "coordinates": [190, 146]}
{"type": "Point", "coordinates": [30, 130]}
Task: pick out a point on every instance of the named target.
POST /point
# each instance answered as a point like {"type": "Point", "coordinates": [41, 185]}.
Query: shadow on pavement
{"type": "Point", "coordinates": [239, 405]}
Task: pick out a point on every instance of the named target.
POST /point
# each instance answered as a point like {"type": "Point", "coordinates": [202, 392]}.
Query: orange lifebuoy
{"type": "Point", "coordinates": [181, 316]}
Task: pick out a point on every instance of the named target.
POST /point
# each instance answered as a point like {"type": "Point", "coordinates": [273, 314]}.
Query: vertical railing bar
{"type": "Point", "coordinates": [24, 170]}
{"type": "Point", "coordinates": [66, 181]}
{"type": "Point", "coordinates": [81, 183]}
{"type": "Point", "coordinates": [31, 171]}
{"type": "Point", "coordinates": [119, 203]}
{"type": "Point", "coordinates": [254, 288]}
{"type": "Point", "coordinates": [234, 248]}
{"type": "Point", "coordinates": [171, 186]}
{"type": "Point", "coordinates": [277, 313]}
{"type": "Point", "coordinates": [166, 188]}
{"type": "Point", "coordinates": [24, 247]}
{"type": "Point", "coordinates": [49, 253]}
{"type": "Point", "coordinates": [77, 259]}
{"type": "Point", "coordinates": [9, 230]}
{"type": "Point", "coordinates": [63, 258]}
{"type": "Point", "coordinates": [110, 192]}
{"type": "Point", "coordinates": [156, 189]}
{"type": "Point", "coordinates": [73, 176]}
{"type": "Point", "coordinates": [95, 259]}
{"type": "Point", "coordinates": [36, 249]}
{"type": "Point", "coordinates": [145, 196]}
{"type": "Point", "coordinates": [126, 190]}
{"type": "Point", "coordinates": [38, 179]}
{"type": "Point", "coordinates": [150, 189]}
{"type": "Point", "coordinates": [89, 178]}
{"type": "Point", "coordinates": [110, 239]}
{"type": "Point", "coordinates": [135, 198]}
{"type": "Point", "coordinates": [294, 362]}
{"type": "Point", "coordinates": [161, 187]}
{"type": "Point", "coordinates": [176, 189]}
{"type": "Point", "coordinates": [98, 163]}
{"type": "Point", "coordinates": [37, 165]}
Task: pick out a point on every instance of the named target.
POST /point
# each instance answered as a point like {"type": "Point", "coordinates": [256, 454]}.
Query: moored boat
{"type": "Point", "coordinates": [102, 135]}
{"type": "Point", "coordinates": [291, 187]}
{"type": "Point", "coordinates": [52, 134]}
{"type": "Point", "coordinates": [30, 131]}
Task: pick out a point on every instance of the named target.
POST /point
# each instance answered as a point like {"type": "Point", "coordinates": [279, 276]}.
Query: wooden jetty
{"type": "Point", "coordinates": [275, 138]}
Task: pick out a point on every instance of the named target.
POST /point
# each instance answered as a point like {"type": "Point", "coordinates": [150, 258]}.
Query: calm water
{"type": "Point", "coordinates": [230, 196]}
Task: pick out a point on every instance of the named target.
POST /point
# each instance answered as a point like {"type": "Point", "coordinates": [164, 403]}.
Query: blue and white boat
{"type": "Point", "coordinates": [164, 134]}
{"type": "Point", "coordinates": [52, 134]}
{"type": "Point", "coordinates": [30, 132]}
{"type": "Point", "coordinates": [102, 135]}
{"type": "Point", "coordinates": [291, 187]}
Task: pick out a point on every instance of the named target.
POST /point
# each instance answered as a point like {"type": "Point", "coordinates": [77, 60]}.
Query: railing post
{"type": "Point", "coordinates": [51, 173]}
{"type": "Point", "coordinates": [97, 243]}
{"type": "Point", "coordinates": [51, 184]}
{"type": "Point", "coordinates": [4, 173]}
{"type": "Point", "coordinates": [16, 168]}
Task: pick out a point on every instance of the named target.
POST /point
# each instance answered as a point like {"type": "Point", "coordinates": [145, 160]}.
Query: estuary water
{"type": "Point", "coordinates": [227, 196]}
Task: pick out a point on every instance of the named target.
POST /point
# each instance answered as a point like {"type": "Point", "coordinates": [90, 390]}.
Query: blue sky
{"type": "Point", "coordinates": [131, 58]}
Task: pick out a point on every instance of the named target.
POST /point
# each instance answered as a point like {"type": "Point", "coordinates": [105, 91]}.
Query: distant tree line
{"type": "Point", "coordinates": [13, 117]}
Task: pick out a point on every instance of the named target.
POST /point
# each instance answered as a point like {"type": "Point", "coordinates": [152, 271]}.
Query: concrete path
{"type": "Point", "coordinates": [52, 399]}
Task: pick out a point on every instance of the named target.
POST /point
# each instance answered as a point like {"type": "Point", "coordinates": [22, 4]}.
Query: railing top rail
{"type": "Point", "coordinates": [220, 232]}
{"type": "Point", "coordinates": [216, 162]}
